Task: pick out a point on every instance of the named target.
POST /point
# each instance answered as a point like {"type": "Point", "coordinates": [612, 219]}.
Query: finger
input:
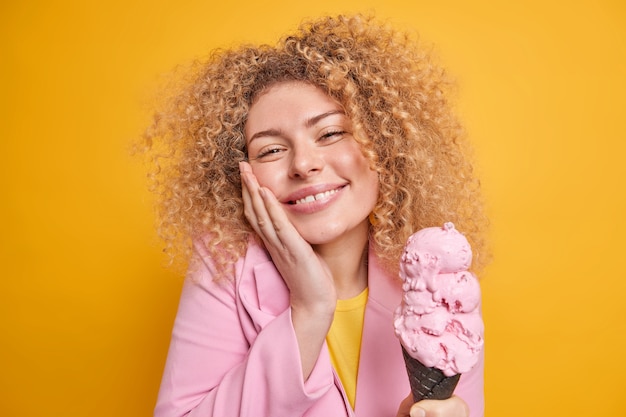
{"type": "Point", "coordinates": [452, 407]}
{"type": "Point", "coordinates": [284, 230]}
{"type": "Point", "coordinates": [245, 192]}
{"type": "Point", "coordinates": [405, 406]}
{"type": "Point", "coordinates": [255, 208]}
{"type": "Point", "coordinates": [249, 188]}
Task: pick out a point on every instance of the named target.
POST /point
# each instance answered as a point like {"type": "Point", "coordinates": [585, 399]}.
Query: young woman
{"type": "Point", "coordinates": [296, 173]}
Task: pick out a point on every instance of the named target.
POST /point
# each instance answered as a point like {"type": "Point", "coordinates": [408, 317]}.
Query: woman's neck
{"type": "Point", "coordinates": [347, 260]}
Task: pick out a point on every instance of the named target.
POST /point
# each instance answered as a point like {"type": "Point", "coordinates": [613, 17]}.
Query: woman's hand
{"type": "Point", "coordinates": [310, 283]}
{"type": "Point", "coordinates": [308, 278]}
{"type": "Point", "coordinates": [452, 407]}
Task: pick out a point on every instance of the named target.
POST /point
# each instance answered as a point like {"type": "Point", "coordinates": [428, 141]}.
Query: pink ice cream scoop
{"type": "Point", "coordinates": [438, 321]}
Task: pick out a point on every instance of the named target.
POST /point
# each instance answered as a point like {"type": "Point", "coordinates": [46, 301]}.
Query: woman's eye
{"type": "Point", "coordinates": [333, 135]}
{"type": "Point", "coordinates": [271, 153]}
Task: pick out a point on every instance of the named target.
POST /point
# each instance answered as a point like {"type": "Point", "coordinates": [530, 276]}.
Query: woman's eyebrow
{"type": "Point", "coordinates": [269, 132]}
{"type": "Point", "coordinates": [314, 120]}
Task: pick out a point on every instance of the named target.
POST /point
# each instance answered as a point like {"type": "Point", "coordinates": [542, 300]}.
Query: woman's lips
{"type": "Point", "coordinates": [312, 196]}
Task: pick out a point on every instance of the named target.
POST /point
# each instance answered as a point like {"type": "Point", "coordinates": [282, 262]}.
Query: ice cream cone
{"type": "Point", "coordinates": [428, 383]}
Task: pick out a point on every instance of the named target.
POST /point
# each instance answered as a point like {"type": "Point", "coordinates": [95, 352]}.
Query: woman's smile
{"type": "Point", "coordinates": [311, 195]}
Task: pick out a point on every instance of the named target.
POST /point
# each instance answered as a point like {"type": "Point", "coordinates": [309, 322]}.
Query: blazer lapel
{"type": "Point", "coordinates": [262, 290]}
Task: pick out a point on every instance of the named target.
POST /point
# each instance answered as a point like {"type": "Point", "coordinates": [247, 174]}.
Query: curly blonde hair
{"type": "Point", "coordinates": [391, 89]}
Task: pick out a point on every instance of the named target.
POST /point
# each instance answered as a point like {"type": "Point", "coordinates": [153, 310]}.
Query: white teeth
{"type": "Point", "coordinates": [311, 198]}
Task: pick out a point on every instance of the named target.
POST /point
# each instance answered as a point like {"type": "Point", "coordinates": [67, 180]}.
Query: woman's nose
{"type": "Point", "coordinates": [305, 161]}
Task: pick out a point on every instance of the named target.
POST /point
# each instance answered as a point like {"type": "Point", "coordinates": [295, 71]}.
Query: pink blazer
{"type": "Point", "coordinates": [234, 352]}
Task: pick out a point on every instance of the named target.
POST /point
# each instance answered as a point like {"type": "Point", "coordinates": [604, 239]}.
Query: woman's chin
{"type": "Point", "coordinates": [328, 234]}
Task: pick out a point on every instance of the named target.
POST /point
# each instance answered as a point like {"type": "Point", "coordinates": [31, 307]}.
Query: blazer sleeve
{"type": "Point", "coordinates": [213, 369]}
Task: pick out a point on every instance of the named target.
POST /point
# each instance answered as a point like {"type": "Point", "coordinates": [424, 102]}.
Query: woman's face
{"type": "Point", "coordinates": [300, 146]}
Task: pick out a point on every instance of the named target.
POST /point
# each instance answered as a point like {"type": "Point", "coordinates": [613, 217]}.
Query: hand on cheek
{"type": "Point", "coordinates": [307, 276]}
{"type": "Point", "coordinates": [312, 292]}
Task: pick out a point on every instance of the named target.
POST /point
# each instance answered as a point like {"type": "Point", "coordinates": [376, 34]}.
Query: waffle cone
{"type": "Point", "coordinates": [428, 383]}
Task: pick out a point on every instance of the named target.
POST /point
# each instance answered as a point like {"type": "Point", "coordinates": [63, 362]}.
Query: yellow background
{"type": "Point", "coordinates": [86, 305]}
